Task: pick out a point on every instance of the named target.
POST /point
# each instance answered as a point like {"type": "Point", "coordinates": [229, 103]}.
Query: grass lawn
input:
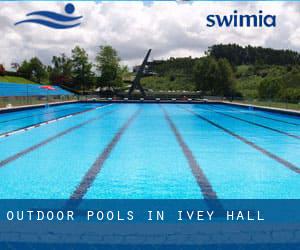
{"type": "Point", "coordinates": [15, 79]}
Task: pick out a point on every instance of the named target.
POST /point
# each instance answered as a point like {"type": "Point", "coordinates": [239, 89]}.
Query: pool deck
{"type": "Point", "coordinates": [265, 108]}
{"type": "Point", "coordinates": [19, 108]}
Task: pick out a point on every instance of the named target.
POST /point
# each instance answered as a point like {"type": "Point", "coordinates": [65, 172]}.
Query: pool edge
{"type": "Point", "coordinates": [242, 105]}
{"type": "Point", "coordinates": [34, 106]}
{"type": "Point", "coordinates": [263, 108]}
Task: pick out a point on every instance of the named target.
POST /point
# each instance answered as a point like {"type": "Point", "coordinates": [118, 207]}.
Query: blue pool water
{"type": "Point", "coordinates": [149, 151]}
{"type": "Point", "coordinates": [17, 120]}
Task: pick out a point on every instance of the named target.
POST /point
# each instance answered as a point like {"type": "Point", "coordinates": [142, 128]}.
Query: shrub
{"type": "Point", "coordinates": [172, 78]}
{"type": "Point", "coordinates": [269, 88]}
{"type": "Point", "coordinates": [290, 95]}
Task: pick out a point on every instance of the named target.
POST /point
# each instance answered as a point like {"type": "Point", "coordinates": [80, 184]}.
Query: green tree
{"type": "Point", "coordinates": [38, 70]}
{"type": "Point", "coordinates": [213, 76]}
{"type": "Point", "coordinates": [270, 88]}
{"type": "Point", "coordinates": [205, 74]}
{"type": "Point", "coordinates": [25, 69]}
{"type": "Point", "coordinates": [61, 71]}
{"type": "Point", "coordinates": [81, 69]}
{"type": "Point", "coordinates": [33, 70]}
{"type": "Point", "coordinates": [224, 83]}
{"type": "Point", "coordinates": [108, 65]}
{"type": "Point", "coordinates": [238, 55]}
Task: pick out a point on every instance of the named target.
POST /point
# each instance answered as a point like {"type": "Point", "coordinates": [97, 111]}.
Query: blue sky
{"type": "Point", "coordinates": [169, 28]}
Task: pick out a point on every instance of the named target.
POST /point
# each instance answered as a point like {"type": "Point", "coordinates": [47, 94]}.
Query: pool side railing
{"type": "Point", "coordinates": [34, 106]}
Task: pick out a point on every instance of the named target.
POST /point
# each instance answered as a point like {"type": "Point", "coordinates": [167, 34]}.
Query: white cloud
{"type": "Point", "coordinates": [170, 29]}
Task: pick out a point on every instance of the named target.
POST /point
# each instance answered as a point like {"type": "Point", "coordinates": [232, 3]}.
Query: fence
{"type": "Point", "coordinates": [287, 104]}
{"type": "Point", "coordinates": [14, 94]}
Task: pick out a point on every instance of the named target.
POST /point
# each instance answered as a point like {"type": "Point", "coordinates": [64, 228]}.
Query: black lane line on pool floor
{"type": "Point", "coordinates": [283, 162]}
{"type": "Point", "coordinates": [94, 170]}
{"type": "Point", "coordinates": [256, 124]}
{"type": "Point", "coordinates": [266, 117]}
{"type": "Point", "coordinates": [273, 119]}
{"type": "Point", "coordinates": [50, 139]}
{"type": "Point", "coordinates": [203, 182]}
{"type": "Point", "coordinates": [6, 134]}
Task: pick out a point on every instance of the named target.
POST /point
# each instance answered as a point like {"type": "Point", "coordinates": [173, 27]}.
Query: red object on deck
{"type": "Point", "coordinates": [48, 87]}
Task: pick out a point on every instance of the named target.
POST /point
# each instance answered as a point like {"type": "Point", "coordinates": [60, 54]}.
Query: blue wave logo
{"type": "Point", "coordinates": [55, 20]}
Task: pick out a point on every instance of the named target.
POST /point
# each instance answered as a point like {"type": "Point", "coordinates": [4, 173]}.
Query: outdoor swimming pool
{"type": "Point", "coordinates": [95, 151]}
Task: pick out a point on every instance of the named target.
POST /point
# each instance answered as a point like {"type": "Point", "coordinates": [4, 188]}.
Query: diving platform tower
{"type": "Point", "coordinates": [136, 81]}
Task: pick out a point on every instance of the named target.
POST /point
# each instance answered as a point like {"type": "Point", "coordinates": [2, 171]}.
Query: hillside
{"type": "Point", "coordinates": [172, 74]}
{"type": "Point", "coordinates": [274, 82]}
{"type": "Point", "coordinates": [258, 73]}
{"type": "Point", "coordinates": [165, 83]}
{"type": "Point", "coordinates": [15, 79]}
